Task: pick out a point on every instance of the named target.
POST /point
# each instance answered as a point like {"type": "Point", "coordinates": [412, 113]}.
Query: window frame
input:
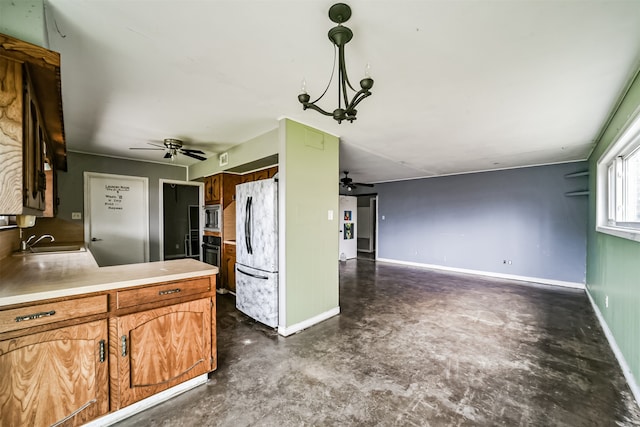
{"type": "Point", "coordinates": [612, 162]}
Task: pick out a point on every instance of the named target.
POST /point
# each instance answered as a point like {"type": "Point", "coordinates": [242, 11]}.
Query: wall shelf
{"type": "Point", "coordinates": [577, 193]}
{"type": "Point", "coordinates": [577, 174]}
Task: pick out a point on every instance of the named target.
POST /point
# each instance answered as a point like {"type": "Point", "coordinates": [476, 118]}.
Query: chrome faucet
{"type": "Point", "coordinates": [25, 244]}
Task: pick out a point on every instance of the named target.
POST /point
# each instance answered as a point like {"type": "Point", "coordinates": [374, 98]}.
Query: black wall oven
{"type": "Point", "coordinates": [211, 250]}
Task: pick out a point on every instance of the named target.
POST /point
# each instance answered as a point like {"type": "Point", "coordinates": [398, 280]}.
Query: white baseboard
{"type": "Point", "coordinates": [147, 403]}
{"type": "Point", "coordinates": [286, 331]}
{"type": "Point", "coordinates": [575, 285]}
{"type": "Point", "coordinates": [626, 370]}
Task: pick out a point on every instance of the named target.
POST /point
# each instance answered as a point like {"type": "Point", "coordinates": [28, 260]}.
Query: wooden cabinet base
{"type": "Point", "coordinates": [67, 361]}
{"type": "Point", "coordinates": [55, 377]}
{"type": "Point", "coordinates": [154, 350]}
{"type": "Point", "coordinates": [144, 404]}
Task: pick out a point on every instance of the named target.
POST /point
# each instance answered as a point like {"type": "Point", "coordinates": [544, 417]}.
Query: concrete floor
{"type": "Point", "coordinates": [415, 347]}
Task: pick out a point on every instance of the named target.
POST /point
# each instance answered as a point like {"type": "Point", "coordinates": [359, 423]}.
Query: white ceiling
{"type": "Point", "coordinates": [459, 85]}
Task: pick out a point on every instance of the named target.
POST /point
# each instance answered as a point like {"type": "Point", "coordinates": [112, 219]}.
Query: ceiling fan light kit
{"type": "Point", "coordinates": [349, 184]}
{"type": "Point", "coordinates": [340, 36]}
{"type": "Point", "coordinates": [173, 147]}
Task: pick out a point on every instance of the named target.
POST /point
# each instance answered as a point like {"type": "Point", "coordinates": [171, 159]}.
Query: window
{"type": "Point", "coordinates": [618, 181]}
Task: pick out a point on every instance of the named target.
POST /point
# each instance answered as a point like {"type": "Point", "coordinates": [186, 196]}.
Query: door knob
{"type": "Point", "coordinates": [95, 239]}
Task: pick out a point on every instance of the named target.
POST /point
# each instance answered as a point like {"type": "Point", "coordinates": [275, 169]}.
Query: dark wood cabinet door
{"type": "Point", "coordinates": [261, 174]}
{"type": "Point", "coordinates": [272, 171]}
{"type": "Point", "coordinates": [247, 177]}
{"type": "Point", "coordinates": [230, 266]}
{"type": "Point", "coordinates": [216, 185]}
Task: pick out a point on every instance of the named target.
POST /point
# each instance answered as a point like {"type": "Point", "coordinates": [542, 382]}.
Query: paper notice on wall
{"type": "Point", "coordinates": [115, 196]}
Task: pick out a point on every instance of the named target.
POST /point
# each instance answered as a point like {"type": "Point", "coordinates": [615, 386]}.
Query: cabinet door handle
{"type": "Point", "coordinates": [124, 345]}
{"type": "Point", "coordinates": [102, 353]}
{"type": "Point", "coordinates": [35, 315]}
{"type": "Point", "coordinates": [169, 291]}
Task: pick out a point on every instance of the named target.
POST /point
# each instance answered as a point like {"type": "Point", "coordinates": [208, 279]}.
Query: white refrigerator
{"type": "Point", "coordinates": [257, 250]}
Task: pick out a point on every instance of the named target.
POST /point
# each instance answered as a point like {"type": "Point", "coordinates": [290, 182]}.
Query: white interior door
{"type": "Point", "coordinates": [348, 227]}
{"type": "Point", "coordinates": [116, 218]}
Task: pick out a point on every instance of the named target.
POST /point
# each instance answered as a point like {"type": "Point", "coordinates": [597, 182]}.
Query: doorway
{"type": "Point", "coordinates": [116, 218]}
{"type": "Point", "coordinates": [181, 219]}
{"type": "Point", "coordinates": [348, 227]}
{"type": "Point", "coordinates": [367, 215]}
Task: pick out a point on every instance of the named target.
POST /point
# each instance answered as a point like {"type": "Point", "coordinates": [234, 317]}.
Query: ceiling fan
{"type": "Point", "coordinates": [349, 184]}
{"type": "Point", "coordinates": [173, 146]}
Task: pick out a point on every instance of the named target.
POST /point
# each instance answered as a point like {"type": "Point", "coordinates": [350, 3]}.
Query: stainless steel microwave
{"type": "Point", "coordinates": [213, 217]}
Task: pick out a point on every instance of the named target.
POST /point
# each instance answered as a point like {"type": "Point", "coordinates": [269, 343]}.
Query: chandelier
{"type": "Point", "coordinates": [340, 36]}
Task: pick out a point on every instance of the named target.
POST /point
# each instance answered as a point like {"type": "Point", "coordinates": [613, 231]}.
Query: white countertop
{"type": "Point", "coordinates": [42, 276]}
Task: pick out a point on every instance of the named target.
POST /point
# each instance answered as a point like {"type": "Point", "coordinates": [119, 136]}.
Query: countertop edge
{"type": "Point", "coordinates": [36, 297]}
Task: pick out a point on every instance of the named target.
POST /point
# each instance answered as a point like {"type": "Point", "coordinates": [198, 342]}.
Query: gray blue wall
{"type": "Point", "coordinates": [71, 186]}
{"type": "Point", "coordinates": [476, 221]}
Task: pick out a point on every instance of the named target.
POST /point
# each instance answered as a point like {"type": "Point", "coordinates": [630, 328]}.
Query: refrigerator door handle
{"type": "Point", "coordinates": [252, 275]}
{"type": "Point", "coordinates": [247, 225]}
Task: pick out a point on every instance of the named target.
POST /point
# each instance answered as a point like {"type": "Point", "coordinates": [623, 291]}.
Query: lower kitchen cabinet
{"type": "Point", "coordinates": [55, 377]}
{"type": "Point", "coordinates": [229, 263]}
{"type": "Point", "coordinates": [154, 350]}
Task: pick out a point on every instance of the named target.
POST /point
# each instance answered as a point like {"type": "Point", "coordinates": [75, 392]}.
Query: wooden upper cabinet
{"type": "Point", "coordinates": [213, 189]}
{"type": "Point", "coordinates": [272, 171]}
{"type": "Point", "coordinates": [11, 137]}
{"type": "Point", "coordinates": [32, 130]}
{"type": "Point", "coordinates": [34, 148]}
{"type": "Point", "coordinates": [59, 376]}
{"type": "Point", "coordinates": [229, 182]}
{"type": "Point", "coordinates": [157, 349]}
{"type": "Point", "coordinates": [247, 177]}
{"type": "Point", "coordinates": [261, 174]}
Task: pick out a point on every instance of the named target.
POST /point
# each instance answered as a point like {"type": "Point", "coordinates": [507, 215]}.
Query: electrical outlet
{"type": "Point", "coordinates": [509, 262]}
{"type": "Point", "coordinates": [383, 217]}
{"type": "Point", "coordinates": [76, 215]}
{"type": "Point", "coordinates": [177, 246]}
{"type": "Point", "coordinates": [606, 301]}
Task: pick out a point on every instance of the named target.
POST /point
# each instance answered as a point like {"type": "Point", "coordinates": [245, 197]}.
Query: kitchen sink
{"type": "Point", "coordinates": [57, 249]}
{"type": "Point", "coordinates": [61, 248]}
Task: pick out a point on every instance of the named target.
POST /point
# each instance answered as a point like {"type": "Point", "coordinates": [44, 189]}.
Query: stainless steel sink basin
{"type": "Point", "coordinates": [61, 248]}
{"type": "Point", "coordinates": [56, 249]}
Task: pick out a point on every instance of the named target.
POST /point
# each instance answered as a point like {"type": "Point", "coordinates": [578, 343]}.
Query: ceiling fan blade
{"type": "Point", "coordinates": [162, 146]}
{"type": "Point", "coordinates": [195, 156]}
{"type": "Point", "coordinates": [144, 148]}
{"type": "Point", "coordinates": [191, 150]}
{"type": "Point", "coordinates": [167, 156]}
{"type": "Point", "coordinates": [362, 184]}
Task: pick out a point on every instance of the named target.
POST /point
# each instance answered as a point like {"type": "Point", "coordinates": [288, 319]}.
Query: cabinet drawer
{"type": "Point", "coordinates": [164, 292]}
{"type": "Point", "coordinates": [42, 314]}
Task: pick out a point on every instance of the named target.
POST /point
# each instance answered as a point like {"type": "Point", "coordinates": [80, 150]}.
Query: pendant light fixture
{"type": "Point", "coordinates": [340, 36]}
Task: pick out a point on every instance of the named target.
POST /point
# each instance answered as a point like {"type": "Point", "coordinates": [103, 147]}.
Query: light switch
{"type": "Point", "coordinates": [330, 215]}
{"type": "Point", "coordinates": [76, 215]}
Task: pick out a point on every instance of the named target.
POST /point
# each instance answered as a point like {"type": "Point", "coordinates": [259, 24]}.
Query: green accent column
{"type": "Point", "coordinates": [613, 263]}
{"type": "Point", "coordinates": [309, 173]}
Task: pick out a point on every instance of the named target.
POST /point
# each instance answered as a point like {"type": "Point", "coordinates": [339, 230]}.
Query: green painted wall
{"type": "Point", "coordinates": [309, 181]}
{"type": "Point", "coordinates": [24, 20]}
{"type": "Point", "coordinates": [256, 148]}
{"type": "Point", "coordinates": [613, 267]}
